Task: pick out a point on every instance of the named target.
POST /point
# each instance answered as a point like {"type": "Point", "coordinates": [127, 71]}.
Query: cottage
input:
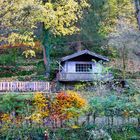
{"type": "Point", "coordinates": [81, 66]}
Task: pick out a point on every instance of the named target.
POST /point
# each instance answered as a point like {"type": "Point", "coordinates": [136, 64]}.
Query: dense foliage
{"type": "Point", "coordinates": [67, 105]}
{"type": "Point", "coordinates": [34, 116]}
{"type": "Point", "coordinates": [20, 19]}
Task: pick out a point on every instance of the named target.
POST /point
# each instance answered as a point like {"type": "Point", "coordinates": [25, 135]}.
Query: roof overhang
{"type": "Point", "coordinates": [94, 55]}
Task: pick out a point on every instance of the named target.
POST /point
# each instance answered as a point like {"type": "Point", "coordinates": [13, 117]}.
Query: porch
{"type": "Point", "coordinates": [64, 77]}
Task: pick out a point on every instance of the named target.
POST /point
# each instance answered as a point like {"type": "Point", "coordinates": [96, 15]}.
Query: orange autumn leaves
{"type": "Point", "coordinates": [65, 105]}
{"type": "Point", "coordinates": [68, 104]}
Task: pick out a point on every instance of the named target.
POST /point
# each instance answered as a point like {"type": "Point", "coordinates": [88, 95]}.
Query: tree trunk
{"type": "Point", "coordinates": [94, 117]}
{"type": "Point", "coordinates": [46, 61]}
{"type": "Point", "coordinates": [137, 8]}
{"type": "Point", "coordinates": [76, 121]}
{"type": "Point", "coordinates": [88, 118]}
{"type": "Point", "coordinates": [138, 122]}
{"type": "Point", "coordinates": [112, 120]}
{"type": "Point", "coordinates": [45, 41]}
{"type": "Point", "coordinates": [124, 63]}
{"type": "Point", "coordinates": [108, 121]}
{"type": "Point", "coordinates": [78, 46]}
{"type": "Point", "coordinates": [44, 56]}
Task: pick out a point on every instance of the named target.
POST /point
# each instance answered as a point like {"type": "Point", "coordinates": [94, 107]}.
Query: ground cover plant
{"type": "Point", "coordinates": [68, 115]}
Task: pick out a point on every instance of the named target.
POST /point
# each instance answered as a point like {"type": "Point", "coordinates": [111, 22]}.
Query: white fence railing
{"type": "Point", "coordinates": [24, 86]}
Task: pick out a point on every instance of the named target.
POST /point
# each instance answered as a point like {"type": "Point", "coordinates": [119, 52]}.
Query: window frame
{"type": "Point", "coordinates": [83, 67]}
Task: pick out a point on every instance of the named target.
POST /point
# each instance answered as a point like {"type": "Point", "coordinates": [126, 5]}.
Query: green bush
{"type": "Point", "coordinates": [53, 69]}
{"type": "Point", "coordinates": [6, 59]}
{"type": "Point", "coordinates": [40, 68]}
{"type": "Point", "coordinates": [13, 72]}
{"type": "Point", "coordinates": [23, 132]}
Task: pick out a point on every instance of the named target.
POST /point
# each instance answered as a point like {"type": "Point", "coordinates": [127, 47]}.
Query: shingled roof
{"type": "Point", "coordinates": [94, 55]}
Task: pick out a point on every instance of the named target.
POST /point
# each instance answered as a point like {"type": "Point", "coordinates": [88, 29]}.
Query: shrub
{"type": "Point", "coordinates": [41, 109]}
{"type": "Point", "coordinates": [67, 104]}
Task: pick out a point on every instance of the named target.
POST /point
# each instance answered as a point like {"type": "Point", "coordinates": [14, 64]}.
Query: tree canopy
{"type": "Point", "coordinates": [20, 18]}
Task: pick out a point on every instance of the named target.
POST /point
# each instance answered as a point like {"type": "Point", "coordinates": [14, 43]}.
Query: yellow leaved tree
{"type": "Point", "coordinates": [21, 19]}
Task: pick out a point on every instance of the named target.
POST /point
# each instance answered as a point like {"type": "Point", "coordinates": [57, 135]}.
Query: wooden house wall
{"type": "Point", "coordinates": [69, 67]}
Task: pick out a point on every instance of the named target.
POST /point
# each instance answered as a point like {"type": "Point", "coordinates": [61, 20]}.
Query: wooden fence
{"type": "Point", "coordinates": [24, 86]}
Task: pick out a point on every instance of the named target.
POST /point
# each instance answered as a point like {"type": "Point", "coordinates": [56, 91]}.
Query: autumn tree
{"type": "Point", "coordinates": [125, 36]}
{"type": "Point", "coordinates": [102, 18]}
{"type": "Point", "coordinates": [137, 7]}
{"type": "Point", "coordinates": [20, 19]}
{"type": "Point", "coordinates": [67, 105]}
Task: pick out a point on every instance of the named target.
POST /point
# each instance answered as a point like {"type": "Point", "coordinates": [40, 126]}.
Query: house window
{"type": "Point", "coordinates": [83, 67]}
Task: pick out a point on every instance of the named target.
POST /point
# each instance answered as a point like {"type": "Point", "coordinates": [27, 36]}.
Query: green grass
{"type": "Point", "coordinates": [20, 95]}
{"type": "Point", "coordinates": [131, 135]}
{"type": "Point", "coordinates": [82, 134]}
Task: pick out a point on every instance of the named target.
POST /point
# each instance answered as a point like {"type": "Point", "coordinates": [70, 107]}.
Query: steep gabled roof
{"type": "Point", "coordinates": [94, 55]}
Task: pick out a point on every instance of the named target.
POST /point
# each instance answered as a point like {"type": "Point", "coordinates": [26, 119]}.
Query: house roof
{"type": "Point", "coordinates": [82, 53]}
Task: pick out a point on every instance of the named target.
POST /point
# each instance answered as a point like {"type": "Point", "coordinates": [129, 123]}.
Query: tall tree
{"type": "Point", "coordinates": [137, 7]}
{"type": "Point", "coordinates": [102, 18]}
{"type": "Point", "coordinates": [20, 18]}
